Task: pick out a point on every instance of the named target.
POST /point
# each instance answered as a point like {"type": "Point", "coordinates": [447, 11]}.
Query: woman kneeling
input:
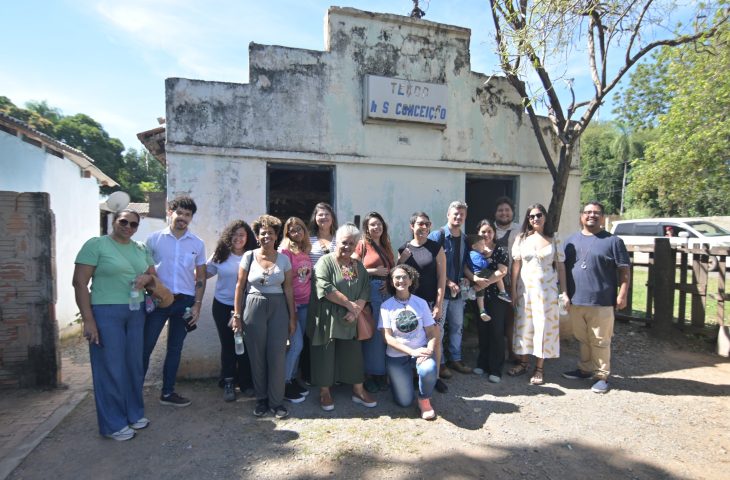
{"type": "Point", "coordinates": [410, 333]}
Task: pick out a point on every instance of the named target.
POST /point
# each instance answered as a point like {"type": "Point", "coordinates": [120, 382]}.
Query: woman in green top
{"type": "Point", "coordinates": [113, 316]}
{"type": "Point", "coordinates": [342, 287]}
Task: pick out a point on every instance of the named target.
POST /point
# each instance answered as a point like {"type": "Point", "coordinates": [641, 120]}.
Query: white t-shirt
{"type": "Point", "coordinates": [225, 287]}
{"type": "Point", "coordinates": [407, 322]}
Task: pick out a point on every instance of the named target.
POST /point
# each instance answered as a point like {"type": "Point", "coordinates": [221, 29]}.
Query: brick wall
{"type": "Point", "coordinates": [29, 355]}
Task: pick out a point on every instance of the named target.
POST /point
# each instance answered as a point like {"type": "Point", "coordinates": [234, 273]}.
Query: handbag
{"type": "Point", "coordinates": [365, 324]}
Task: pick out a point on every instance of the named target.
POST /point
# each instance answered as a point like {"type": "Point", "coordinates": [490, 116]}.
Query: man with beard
{"type": "Point", "coordinates": [179, 258]}
{"type": "Point", "coordinates": [593, 257]}
{"type": "Point", "coordinates": [506, 233]}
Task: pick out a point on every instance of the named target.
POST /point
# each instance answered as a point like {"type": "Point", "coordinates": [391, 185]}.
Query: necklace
{"type": "Point", "coordinates": [404, 303]}
{"type": "Point", "coordinates": [584, 253]}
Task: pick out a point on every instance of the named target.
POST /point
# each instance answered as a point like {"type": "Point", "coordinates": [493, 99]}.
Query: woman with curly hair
{"type": "Point", "coordinates": [236, 239]}
{"type": "Point", "coordinates": [268, 317]}
{"type": "Point", "coordinates": [376, 254]}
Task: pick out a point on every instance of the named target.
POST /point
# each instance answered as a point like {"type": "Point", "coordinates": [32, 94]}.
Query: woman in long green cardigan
{"type": "Point", "coordinates": [342, 288]}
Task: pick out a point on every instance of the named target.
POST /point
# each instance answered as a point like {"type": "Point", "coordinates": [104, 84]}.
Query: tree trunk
{"type": "Point", "coordinates": [560, 185]}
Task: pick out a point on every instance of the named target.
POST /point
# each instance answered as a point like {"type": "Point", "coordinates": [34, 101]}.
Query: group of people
{"type": "Point", "coordinates": [298, 293]}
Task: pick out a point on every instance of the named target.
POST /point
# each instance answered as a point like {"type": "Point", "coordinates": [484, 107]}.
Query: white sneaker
{"type": "Point", "coordinates": [494, 379]}
{"type": "Point", "coordinates": [124, 434]}
{"type": "Point", "coordinates": [140, 424]}
{"type": "Point", "coordinates": [600, 386]}
{"type": "Point", "coordinates": [478, 371]}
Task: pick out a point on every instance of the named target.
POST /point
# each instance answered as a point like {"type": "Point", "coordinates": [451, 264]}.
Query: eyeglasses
{"type": "Point", "coordinates": [592, 212]}
{"type": "Point", "coordinates": [124, 222]}
{"type": "Point", "coordinates": [534, 216]}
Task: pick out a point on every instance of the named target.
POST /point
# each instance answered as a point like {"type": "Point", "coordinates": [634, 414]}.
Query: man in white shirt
{"type": "Point", "coordinates": [179, 258]}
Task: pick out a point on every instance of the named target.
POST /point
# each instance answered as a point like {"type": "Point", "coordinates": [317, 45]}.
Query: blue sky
{"type": "Point", "coordinates": [109, 58]}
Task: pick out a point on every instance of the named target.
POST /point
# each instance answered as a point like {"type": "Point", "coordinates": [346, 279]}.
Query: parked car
{"type": "Point", "coordinates": [681, 231]}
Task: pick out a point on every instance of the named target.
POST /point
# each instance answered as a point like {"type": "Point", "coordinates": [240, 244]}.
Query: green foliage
{"type": "Point", "coordinates": [136, 172]}
{"type": "Point", "coordinates": [687, 167]}
{"type": "Point", "coordinates": [647, 96]}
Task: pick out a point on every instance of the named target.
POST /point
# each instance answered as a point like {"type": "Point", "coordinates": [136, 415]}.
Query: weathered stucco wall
{"type": "Point", "coordinates": [305, 107]}
{"type": "Point", "coordinates": [74, 201]}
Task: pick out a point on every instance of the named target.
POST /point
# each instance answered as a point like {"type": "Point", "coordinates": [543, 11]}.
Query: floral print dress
{"type": "Point", "coordinates": [537, 320]}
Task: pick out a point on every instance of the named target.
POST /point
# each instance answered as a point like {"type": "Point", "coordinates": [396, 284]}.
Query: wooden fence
{"type": "Point", "coordinates": [676, 271]}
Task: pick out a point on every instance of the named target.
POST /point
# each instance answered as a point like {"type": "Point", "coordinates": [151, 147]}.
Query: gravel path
{"type": "Point", "coordinates": [666, 417]}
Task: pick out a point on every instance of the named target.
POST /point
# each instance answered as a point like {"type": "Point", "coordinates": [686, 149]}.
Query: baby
{"type": "Point", "coordinates": [479, 262]}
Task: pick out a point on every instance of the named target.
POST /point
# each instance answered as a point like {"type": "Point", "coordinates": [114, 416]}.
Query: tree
{"type": "Point", "coordinates": [686, 169]}
{"type": "Point", "coordinates": [534, 36]}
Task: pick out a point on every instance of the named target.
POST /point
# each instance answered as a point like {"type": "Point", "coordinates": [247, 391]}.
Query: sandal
{"type": "Point", "coordinates": [537, 377]}
{"type": "Point", "coordinates": [520, 369]}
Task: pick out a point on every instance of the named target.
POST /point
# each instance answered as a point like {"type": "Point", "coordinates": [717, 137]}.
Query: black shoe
{"type": "Point", "coordinates": [262, 406]}
{"type": "Point", "coordinates": [441, 387]}
{"type": "Point", "coordinates": [291, 393]}
{"type": "Point", "coordinates": [302, 391]}
{"type": "Point", "coordinates": [280, 412]}
{"type": "Point", "coordinates": [229, 391]}
{"type": "Point", "coordinates": [174, 400]}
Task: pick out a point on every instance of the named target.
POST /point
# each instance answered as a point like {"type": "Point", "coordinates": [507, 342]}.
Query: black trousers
{"type": "Point", "coordinates": [491, 337]}
{"type": "Point", "coordinates": [237, 367]}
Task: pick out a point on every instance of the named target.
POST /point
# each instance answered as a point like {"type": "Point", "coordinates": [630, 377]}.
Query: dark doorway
{"type": "Point", "coordinates": [294, 190]}
{"type": "Point", "coordinates": [481, 193]}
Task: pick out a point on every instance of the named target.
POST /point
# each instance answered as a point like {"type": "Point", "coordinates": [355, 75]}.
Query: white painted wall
{"type": "Point", "coordinates": [74, 201]}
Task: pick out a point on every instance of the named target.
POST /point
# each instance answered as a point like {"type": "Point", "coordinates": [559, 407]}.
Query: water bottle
{"type": "Point", "coordinates": [187, 316]}
{"type": "Point", "coordinates": [133, 296]}
{"type": "Point", "coordinates": [238, 340]}
{"type": "Point", "coordinates": [562, 304]}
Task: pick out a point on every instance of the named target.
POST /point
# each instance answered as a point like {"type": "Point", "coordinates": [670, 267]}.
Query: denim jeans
{"type": "Point", "coordinates": [116, 366]}
{"type": "Point", "coordinates": [237, 367]}
{"type": "Point", "coordinates": [176, 334]}
{"type": "Point", "coordinates": [400, 371]}
{"type": "Point", "coordinates": [373, 350]}
{"type": "Point", "coordinates": [454, 319]}
{"type": "Point", "coordinates": [296, 343]}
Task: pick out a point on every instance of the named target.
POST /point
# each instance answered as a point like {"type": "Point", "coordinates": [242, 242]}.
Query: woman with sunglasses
{"type": "Point", "coordinates": [537, 268]}
{"type": "Point", "coordinates": [296, 246]}
{"type": "Point", "coordinates": [268, 317]}
{"type": "Point", "coordinates": [236, 239]}
{"type": "Point", "coordinates": [113, 318]}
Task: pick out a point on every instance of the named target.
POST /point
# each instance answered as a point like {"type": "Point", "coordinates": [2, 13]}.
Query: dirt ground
{"type": "Point", "coordinates": [666, 417]}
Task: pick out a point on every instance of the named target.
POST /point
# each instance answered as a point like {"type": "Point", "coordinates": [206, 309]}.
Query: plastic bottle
{"type": "Point", "coordinates": [187, 316]}
{"type": "Point", "coordinates": [134, 299]}
{"type": "Point", "coordinates": [562, 305]}
{"type": "Point", "coordinates": [238, 340]}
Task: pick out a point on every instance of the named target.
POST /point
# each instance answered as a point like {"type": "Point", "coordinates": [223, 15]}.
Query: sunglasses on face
{"type": "Point", "coordinates": [124, 222]}
{"type": "Point", "coordinates": [534, 216]}
{"type": "Point", "coordinates": [423, 224]}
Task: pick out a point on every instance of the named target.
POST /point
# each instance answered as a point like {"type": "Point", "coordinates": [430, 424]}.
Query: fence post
{"type": "Point", "coordinates": [663, 272]}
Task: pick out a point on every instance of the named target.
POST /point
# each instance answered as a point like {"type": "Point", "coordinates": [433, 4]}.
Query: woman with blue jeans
{"type": "Point", "coordinates": [113, 316]}
{"type": "Point", "coordinates": [296, 246]}
{"type": "Point", "coordinates": [376, 254]}
{"type": "Point", "coordinates": [411, 334]}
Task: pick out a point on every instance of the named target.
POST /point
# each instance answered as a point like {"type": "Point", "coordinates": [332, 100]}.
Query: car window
{"type": "Point", "coordinates": [708, 229]}
{"type": "Point", "coordinates": [647, 229]}
{"type": "Point", "coordinates": [624, 229]}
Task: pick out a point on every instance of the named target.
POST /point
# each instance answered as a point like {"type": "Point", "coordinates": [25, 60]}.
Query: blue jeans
{"type": "Point", "coordinates": [296, 344]}
{"type": "Point", "coordinates": [116, 366]}
{"type": "Point", "coordinates": [400, 371]}
{"type": "Point", "coordinates": [373, 350]}
{"type": "Point", "coordinates": [176, 334]}
{"type": "Point", "coordinates": [454, 318]}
